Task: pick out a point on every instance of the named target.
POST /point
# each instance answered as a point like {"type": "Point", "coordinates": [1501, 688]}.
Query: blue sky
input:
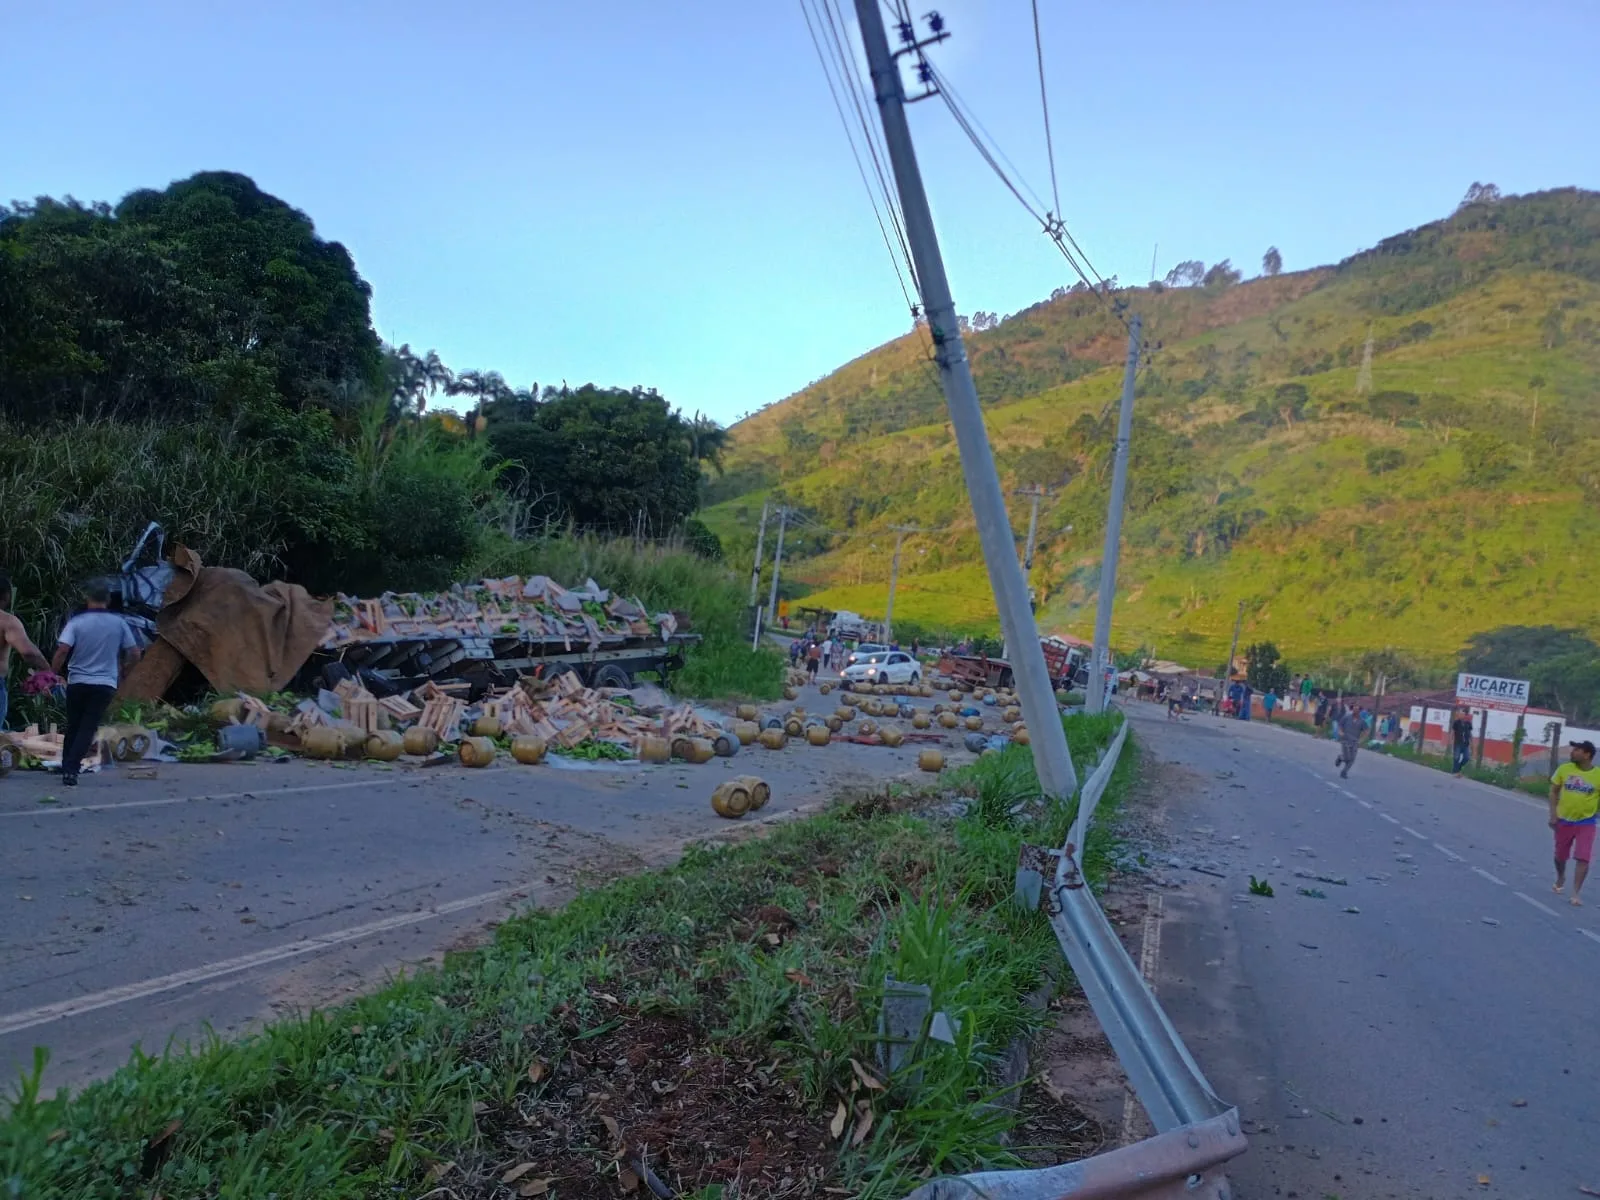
{"type": "Point", "coordinates": [660, 193]}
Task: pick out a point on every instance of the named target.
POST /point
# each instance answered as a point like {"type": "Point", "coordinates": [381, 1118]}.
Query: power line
{"type": "Point", "coordinates": [827, 75]}
{"type": "Point", "coordinates": [848, 72]}
{"type": "Point", "coordinates": [1044, 103]}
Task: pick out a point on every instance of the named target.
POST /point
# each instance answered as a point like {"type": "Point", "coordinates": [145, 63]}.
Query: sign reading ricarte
{"type": "Point", "coordinates": [1490, 691]}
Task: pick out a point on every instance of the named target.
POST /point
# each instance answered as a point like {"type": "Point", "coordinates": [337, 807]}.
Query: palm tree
{"type": "Point", "coordinates": [707, 441]}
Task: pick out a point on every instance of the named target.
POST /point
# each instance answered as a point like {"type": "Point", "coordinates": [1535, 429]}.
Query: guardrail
{"type": "Point", "coordinates": [1196, 1133]}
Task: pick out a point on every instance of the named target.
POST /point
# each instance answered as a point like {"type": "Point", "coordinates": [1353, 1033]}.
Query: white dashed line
{"type": "Point", "coordinates": [1364, 803]}
{"type": "Point", "coordinates": [1421, 837]}
{"type": "Point", "coordinates": [1351, 794]}
{"type": "Point", "coordinates": [1544, 908]}
{"type": "Point", "coordinates": [1388, 818]}
{"type": "Point", "coordinates": [1590, 934]}
{"type": "Point", "coordinates": [1447, 852]}
{"type": "Point", "coordinates": [1489, 877]}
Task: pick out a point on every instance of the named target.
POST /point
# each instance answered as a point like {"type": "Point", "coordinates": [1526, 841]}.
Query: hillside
{"type": "Point", "coordinates": [1458, 493]}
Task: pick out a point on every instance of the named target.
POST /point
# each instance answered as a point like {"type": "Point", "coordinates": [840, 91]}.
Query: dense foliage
{"type": "Point", "coordinates": [1562, 666]}
{"type": "Point", "coordinates": [199, 356]}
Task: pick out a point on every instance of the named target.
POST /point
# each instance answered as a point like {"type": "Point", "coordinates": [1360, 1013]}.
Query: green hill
{"type": "Point", "coordinates": [1460, 492]}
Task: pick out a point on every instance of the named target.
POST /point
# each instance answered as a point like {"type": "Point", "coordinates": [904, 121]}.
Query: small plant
{"type": "Point", "coordinates": [1260, 887]}
{"type": "Point", "coordinates": [1313, 893]}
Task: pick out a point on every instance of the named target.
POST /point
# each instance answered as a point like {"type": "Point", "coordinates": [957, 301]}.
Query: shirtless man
{"type": "Point", "coordinates": [13, 637]}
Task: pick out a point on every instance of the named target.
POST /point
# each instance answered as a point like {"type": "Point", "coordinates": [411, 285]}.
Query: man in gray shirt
{"type": "Point", "coordinates": [94, 646]}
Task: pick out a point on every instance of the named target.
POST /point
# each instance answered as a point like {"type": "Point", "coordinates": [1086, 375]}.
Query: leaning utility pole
{"type": "Point", "coordinates": [1033, 492]}
{"type": "Point", "coordinates": [755, 573]}
{"type": "Point", "coordinates": [1227, 671]}
{"type": "Point", "coordinates": [1108, 562]}
{"type": "Point", "coordinates": [900, 532]}
{"type": "Point", "coordinates": [1052, 758]}
{"type": "Point", "coordinates": [777, 564]}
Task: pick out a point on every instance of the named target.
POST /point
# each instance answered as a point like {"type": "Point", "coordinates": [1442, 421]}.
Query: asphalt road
{"type": "Point", "coordinates": [134, 911]}
{"type": "Point", "coordinates": [1426, 1029]}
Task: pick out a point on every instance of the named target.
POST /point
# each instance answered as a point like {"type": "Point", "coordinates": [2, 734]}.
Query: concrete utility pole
{"type": "Point", "coordinates": [1108, 560]}
{"type": "Point", "coordinates": [900, 532]}
{"type": "Point", "coordinates": [1051, 756]}
{"type": "Point", "coordinates": [755, 573]}
{"type": "Point", "coordinates": [1033, 492]}
{"type": "Point", "coordinates": [777, 565]}
{"type": "Point", "coordinates": [1227, 671]}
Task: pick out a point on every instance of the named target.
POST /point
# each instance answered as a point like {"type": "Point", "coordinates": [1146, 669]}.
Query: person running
{"type": "Point", "coordinates": [94, 647]}
{"type": "Point", "coordinates": [13, 637]}
{"type": "Point", "coordinates": [1349, 725]}
{"type": "Point", "coordinates": [1574, 808]}
{"type": "Point", "coordinates": [1460, 740]}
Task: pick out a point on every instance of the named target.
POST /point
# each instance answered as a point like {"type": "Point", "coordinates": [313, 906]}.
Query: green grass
{"type": "Point", "coordinates": [663, 578]}
{"type": "Point", "coordinates": [462, 1065]}
{"type": "Point", "coordinates": [1497, 776]}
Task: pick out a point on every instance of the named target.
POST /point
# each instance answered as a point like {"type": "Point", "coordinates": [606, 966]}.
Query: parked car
{"type": "Point", "coordinates": [860, 653]}
{"type": "Point", "coordinates": [886, 666]}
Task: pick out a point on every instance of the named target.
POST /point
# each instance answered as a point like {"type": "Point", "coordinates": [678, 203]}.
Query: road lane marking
{"type": "Point", "coordinates": [78, 1005]}
{"type": "Point", "coordinates": [1388, 818]}
{"type": "Point", "coordinates": [1544, 908]}
{"type": "Point", "coordinates": [1364, 803]}
{"type": "Point", "coordinates": [53, 810]}
{"type": "Point", "coordinates": [1489, 877]}
{"type": "Point", "coordinates": [1590, 934]}
{"type": "Point", "coordinates": [1349, 793]}
{"type": "Point", "coordinates": [1447, 852]}
{"type": "Point", "coordinates": [1421, 837]}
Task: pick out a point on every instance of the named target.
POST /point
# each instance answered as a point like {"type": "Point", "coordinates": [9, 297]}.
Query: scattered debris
{"type": "Point", "coordinates": [1334, 879]}
{"type": "Point", "coordinates": [1313, 893]}
{"type": "Point", "coordinates": [1260, 887]}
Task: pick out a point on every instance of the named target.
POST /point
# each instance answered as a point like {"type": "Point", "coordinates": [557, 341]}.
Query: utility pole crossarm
{"type": "Point", "coordinates": [1052, 758]}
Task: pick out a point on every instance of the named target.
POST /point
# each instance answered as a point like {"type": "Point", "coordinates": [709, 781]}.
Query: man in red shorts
{"type": "Point", "coordinates": [1574, 804]}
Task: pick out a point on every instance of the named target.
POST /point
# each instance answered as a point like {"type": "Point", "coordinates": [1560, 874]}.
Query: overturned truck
{"type": "Point", "coordinates": [260, 638]}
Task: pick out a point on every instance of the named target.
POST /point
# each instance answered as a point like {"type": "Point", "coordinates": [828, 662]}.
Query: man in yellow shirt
{"type": "Point", "coordinates": [1574, 805]}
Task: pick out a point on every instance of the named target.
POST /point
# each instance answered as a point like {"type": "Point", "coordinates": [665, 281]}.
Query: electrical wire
{"type": "Point", "coordinates": [1044, 103]}
{"type": "Point", "coordinates": [865, 110]}
{"type": "Point", "coordinates": [872, 198]}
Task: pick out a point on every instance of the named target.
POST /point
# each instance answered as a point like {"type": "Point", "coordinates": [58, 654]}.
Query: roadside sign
{"type": "Point", "coordinates": [1490, 691]}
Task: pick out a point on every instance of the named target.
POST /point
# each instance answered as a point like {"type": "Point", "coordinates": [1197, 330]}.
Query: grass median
{"type": "Point", "coordinates": [711, 1028]}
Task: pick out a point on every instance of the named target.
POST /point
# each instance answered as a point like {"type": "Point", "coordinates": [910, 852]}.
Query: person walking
{"type": "Point", "coordinates": [13, 637]}
{"type": "Point", "coordinates": [1574, 809]}
{"type": "Point", "coordinates": [813, 660]}
{"type": "Point", "coordinates": [94, 647]}
{"type": "Point", "coordinates": [1350, 726]}
{"type": "Point", "coordinates": [1246, 696]}
{"type": "Point", "coordinates": [1321, 717]}
{"type": "Point", "coordinates": [1269, 701]}
{"type": "Point", "coordinates": [1460, 740]}
{"type": "Point", "coordinates": [1307, 689]}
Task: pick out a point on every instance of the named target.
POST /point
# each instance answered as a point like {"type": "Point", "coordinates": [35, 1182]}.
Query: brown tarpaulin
{"type": "Point", "coordinates": [243, 636]}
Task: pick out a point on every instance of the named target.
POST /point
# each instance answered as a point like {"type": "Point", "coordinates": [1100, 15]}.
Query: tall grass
{"type": "Point", "coordinates": [664, 578]}
{"type": "Point", "coordinates": [75, 497]}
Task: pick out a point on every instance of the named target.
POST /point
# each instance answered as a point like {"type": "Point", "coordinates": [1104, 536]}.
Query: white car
{"type": "Point", "coordinates": [860, 653]}
{"type": "Point", "coordinates": [886, 666]}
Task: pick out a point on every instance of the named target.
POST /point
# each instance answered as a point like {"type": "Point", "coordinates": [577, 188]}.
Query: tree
{"type": "Point", "coordinates": [1537, 383]}
{"type": "Point", "coordinates": [1290, 400]}
{"type": "Point", "coordinates": [209, 298]}
{"type": "Point", "coordinates": [1480, 193]}
{"type": "Point", "coordinates": [1383, 459]}
{"type": "Point", "coordinates": [607, 459]}
{"type": "Point", "coordinates": [1223, 275]}
{"type": "Point", "coordinates": [1263, 669]}
{"type": "Point", "coordinates": [707, 441]}
{"type": "Point", "coordinates": [1186, 274]}
{"type": "Point", "coordinates": [1551, 331]}
{"type": "Point", "coordinates": [1562, 666]}
{"type": "Point", "coordinates": [1392, 406]}
{"type": "Point", "coordinates": [1486, 459]}
{"type": "Point", "coordinates": [1271, 261]}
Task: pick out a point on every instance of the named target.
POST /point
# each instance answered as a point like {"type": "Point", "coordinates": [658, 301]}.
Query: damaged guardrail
{"type": "Point", "coordinates": [1196, 1133]}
